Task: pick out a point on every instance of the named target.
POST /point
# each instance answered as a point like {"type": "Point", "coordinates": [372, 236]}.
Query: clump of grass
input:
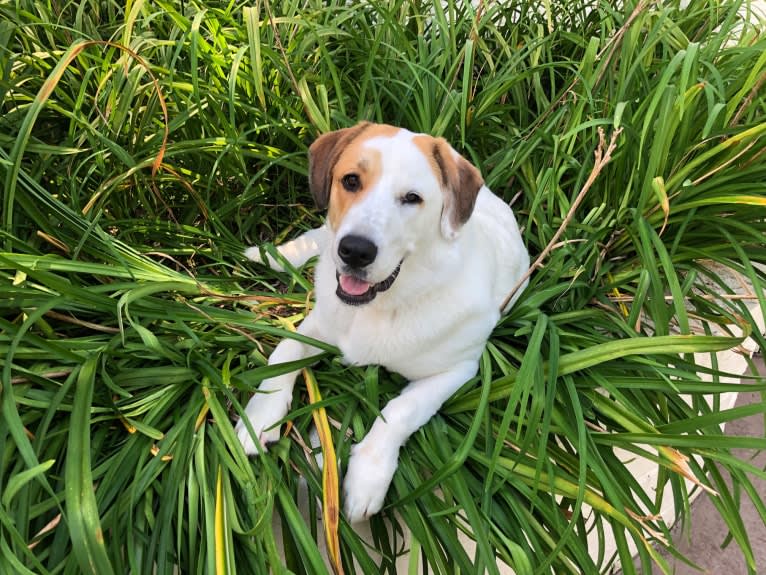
{"type": "Point", "coordinates": [142, 148]}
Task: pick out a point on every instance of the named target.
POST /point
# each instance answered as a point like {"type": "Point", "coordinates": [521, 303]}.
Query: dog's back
{"type": "Point", "coordinates": [495, 221]}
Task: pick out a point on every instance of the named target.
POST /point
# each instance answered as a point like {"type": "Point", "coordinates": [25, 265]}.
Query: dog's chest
{"type": "Point", "coordinates": [417, 342]}
{"type": "Point", "coordinates": [373, 337]}
{"type": "Point", "coordinates": [397, 341]}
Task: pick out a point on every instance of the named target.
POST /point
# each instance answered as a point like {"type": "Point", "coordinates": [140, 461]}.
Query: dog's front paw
{"type": "Point", "coordinates": [263, 411]}
{"type": "Point", "coordinates": [369, 473]}
{"type": "Point", "coordinates": [264, 437]}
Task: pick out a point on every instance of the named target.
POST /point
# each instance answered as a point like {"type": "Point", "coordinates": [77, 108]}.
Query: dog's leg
{"type": "Point", "coordinates": [272, 400]}
{"type": "Point", "coordinates": [297, 251]}
{"type": "Point", "coordinates": [374, 460]}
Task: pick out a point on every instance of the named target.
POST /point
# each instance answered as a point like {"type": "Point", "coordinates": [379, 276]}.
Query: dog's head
{"type": "Point", "coordinates": [389, 193]}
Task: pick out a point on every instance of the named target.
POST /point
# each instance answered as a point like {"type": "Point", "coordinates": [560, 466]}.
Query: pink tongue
{"type": "Point", "coordinates": [352, 285]}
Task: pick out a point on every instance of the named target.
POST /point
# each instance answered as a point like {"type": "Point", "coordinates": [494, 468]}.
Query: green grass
{"type": "Point", "coordinates": [143, 146]}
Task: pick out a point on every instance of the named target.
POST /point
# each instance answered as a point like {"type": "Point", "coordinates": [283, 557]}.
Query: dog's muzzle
{"type": "Point", "coordinates": [355, 291]}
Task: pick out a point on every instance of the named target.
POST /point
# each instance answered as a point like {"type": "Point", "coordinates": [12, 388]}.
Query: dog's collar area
{"type": "Point", "coordinates": [365, 296]}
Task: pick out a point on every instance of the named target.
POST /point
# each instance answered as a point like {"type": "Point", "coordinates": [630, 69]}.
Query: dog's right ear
{"type": "Point", "coordinates": [323, 155]}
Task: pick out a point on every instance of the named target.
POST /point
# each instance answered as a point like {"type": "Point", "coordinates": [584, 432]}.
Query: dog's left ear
{"type": "Point", "coordinates": [461, 182]}
{"type": "Point", "coordinates": [323, 155]}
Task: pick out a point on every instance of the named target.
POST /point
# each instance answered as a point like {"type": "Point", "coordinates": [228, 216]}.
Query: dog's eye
{"type": "Point", "coordinates": [351, 182]}
{"type": "Point", "coordinates": [411, 198]}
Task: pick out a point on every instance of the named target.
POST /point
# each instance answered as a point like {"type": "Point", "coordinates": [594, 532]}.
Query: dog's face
{"type": "Point", "coordinates": [390, 193]}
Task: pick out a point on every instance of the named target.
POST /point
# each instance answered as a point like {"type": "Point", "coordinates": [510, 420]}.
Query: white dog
{"type": "Point", "coordinates": [415, 260]}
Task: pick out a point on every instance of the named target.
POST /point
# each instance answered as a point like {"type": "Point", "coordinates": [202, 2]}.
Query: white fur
{"type": "Point", "coordinates": [430, 326]}
{"type": "Point", "coordinates": [297, 252]}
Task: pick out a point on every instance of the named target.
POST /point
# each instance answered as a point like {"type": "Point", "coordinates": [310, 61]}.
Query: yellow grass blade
{"type": "Point", "coordinates": [220, 520]}
{"type": "Point", "coordinates": [330, 481]}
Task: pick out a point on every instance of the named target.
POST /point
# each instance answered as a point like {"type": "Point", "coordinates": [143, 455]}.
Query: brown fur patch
{"type": "Point", "coordinates": [337, 154]}
{"type": "Point", "coordinates": [323, 154]}
{"type": "Point", "coordinates": [427, 145]}
{"type": "Point", "coordinates": [355, 159]}
{"type": "Point", "coordinates": [460, 179]}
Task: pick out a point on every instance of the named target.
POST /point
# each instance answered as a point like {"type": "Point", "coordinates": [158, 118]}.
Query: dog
{"type": "Point", "coordinates": [416, 258]}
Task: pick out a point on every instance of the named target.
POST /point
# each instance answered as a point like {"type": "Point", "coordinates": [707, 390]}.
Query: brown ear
{"type": "Point", "coordinates": [323, 155]}
{"type": "Point", "coordinates": [461, 182]}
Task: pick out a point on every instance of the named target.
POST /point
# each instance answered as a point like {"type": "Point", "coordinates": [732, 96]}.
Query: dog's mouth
{"type": "Point", "coordinates": [355, 291]}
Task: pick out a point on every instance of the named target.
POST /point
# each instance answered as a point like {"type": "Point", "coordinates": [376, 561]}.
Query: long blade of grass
{"type": "Point", "coordinates": [330, 479]}
{"type": "Point", "coordinates": [82, 513]}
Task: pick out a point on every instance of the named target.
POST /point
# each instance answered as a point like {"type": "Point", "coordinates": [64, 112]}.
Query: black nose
{"type": "Point", "coordinates": [357, 251]}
